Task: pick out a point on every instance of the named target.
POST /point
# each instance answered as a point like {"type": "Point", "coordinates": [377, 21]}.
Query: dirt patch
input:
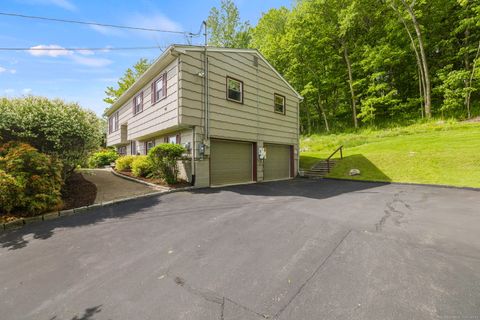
{"type": "Point", "coordinates": [160, 182]}
{"type": "Point", "coordinates": [473, 120]}
{"type": "Point", "coordinates": [78, 192]}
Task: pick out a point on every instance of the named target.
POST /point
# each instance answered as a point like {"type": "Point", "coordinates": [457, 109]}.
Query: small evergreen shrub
{"type": "Point", "coordinates": [124, 163]}
{"type": "Point", "coordinates": [38, 178]}
{"type": "Point", "coordinates": [142, 166]}
{"type": "Point", "coordinates": [102, 158]}
{"type": "Point", "coordinates": [164, 159]}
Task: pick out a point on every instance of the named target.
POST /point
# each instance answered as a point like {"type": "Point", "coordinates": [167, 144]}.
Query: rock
{"type": "Point", "coordinates": [354, 172]}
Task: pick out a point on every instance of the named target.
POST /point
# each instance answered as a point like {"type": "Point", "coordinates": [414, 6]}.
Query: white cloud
{"type": "Point", "coordinates": [64, 4]}
{"type": "Point", "coordinates": [91, 62]}
{"type": "Point", "coordinates": [26, 91]}
{"type": "Point", "coordinates": [107, 31]}
{"type": "Point", "coordinates": [154, 21]}
{"type": "Point", "coordinates": [8, 91]}
{"type": "Point", "coordinates": [52, 50]}
{"type": "Point", "coordinates": [4, 70]}
{"type": "Point", "coordinates": [79, 56]}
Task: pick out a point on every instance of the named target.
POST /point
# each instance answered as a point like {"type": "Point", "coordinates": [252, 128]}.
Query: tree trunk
{"type": "Point", "coordinates": [322, 111]}
{"type": "Point", "coordinates": [470, 81]}
{"type": "Point", "coordinates": [350, 83]}
{"type": "Point", "coordinates": [421, 76]}
{"type": "Point", "coordinates": [428, 86]}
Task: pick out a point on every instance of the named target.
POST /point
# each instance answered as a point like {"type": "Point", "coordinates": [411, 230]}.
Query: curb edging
{"type": "Point", "coordinates": [20, 223]}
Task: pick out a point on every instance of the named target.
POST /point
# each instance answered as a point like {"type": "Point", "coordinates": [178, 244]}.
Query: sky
{"type": "Point", "coordinates": [83, 76]}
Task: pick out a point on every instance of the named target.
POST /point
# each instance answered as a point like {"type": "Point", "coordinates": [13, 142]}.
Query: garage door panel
{"type": "Point", "coordinates": [231, 162]}
{"type": "Point", "coordinates": [277, 164]}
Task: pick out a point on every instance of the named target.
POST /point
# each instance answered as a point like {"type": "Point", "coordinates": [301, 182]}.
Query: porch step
{"type": "Point", "coordinates": [320, 169]}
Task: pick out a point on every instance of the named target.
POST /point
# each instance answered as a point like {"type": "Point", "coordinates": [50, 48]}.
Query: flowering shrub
{"type": "Point", "coordinates": [124, 163]}
{"type": "Point", "coordinates": [102, 158]}
{"type": "Point", "coordinates": [36, 179]}
{"type": "Point", "coordinates": [164, 161]}
{"type": "Point", "coordinates": [141, 166]}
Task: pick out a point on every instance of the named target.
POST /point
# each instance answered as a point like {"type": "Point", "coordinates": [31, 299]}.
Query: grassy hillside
{"type": "Point", "coordinates": [436, 153]}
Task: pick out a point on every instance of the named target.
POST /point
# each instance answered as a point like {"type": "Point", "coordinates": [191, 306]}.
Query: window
{"type": "Point", "coordinates": [159, 88]}
{"type": "Point", "coordinates": [113, 123]}
{"type": "Point", "coordinates": [122, 150]}
{"type": "Point", "coordinates": [133, 148]}
{"type": "Point", "coordinates": [149, 145]}
{"type": "Point", "coordinates": [279, 103]}
{"type": "Point", "coordinates": [138, 103]}
{"type": "Point", "coordinates": [234, 90]}
{"type": "Point", "coordinates": [172, 139]}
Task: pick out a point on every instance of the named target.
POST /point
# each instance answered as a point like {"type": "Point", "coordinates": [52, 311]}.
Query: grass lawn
{"type": "Point", "coordinates": [434, 153]}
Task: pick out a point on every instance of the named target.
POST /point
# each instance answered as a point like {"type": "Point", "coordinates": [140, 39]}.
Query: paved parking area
{"type": "Point", "coordinates": [300, 249]}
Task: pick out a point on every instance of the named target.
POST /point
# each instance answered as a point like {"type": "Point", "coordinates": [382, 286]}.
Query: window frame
{"type": "Point", "coordinates": [163, 78]}
{"type": "Point", "coordinates": [135, 112]}
{"type": "Point", "coordinates": [146, 145]}
{"type": "Point", "coordinates": [133, 148]}
{"type": "Point", "coordinates": [284, 103]}
{"type": "Point", "coordinates": [113, 122]}
{"type": "Point", "coordinates": [122, 150]}
{"type": "Point", "coordinates": [242, 87]}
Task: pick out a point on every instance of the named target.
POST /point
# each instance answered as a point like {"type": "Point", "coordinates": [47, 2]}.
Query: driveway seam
{"type": "Point", "coordinates": [312, 275]}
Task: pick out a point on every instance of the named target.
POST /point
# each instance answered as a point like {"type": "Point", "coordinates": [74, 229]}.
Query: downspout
{"type": "Point", "coordinates": [205, 90]}
{"type": "Point", "coordinates": [194, 149]}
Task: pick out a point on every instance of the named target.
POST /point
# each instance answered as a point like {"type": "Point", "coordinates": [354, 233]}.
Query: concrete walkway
{"type": "Point", "coordinates": [110, 187]}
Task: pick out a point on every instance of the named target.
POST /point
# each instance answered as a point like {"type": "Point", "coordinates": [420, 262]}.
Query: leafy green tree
{"type": "Point", "coordinates": [225, 27]}
{"type": "Point", "coordinates": [63, 130]}
{"type": "Point", "coordinates": [127, 80]}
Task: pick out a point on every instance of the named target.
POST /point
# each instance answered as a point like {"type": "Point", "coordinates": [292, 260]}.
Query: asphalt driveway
{"type": "Point", "coordinates": [301, 249]}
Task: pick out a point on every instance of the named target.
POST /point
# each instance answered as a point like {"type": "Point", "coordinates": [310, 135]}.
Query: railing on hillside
{"type": "Point", "coordinates": [333, 153]}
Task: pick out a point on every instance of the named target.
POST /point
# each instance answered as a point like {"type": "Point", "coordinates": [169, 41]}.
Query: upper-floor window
{"type": "Point", "coordinates": [138, 103]}
{"type": "Point", "coordinates": [159, 88]}
{"type": "Point", "coordinates": [234, 90]}
{"type": "Point", "coordinates": [113, 123]}
{"type": "Point", "coordinates": [279, 103]}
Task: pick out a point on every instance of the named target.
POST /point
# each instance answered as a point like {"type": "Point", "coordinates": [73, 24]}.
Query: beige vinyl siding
{"type": "Point", "coordinates": [153, 118]}
{"type": "Point", "coordinates": [159, 116]}
{"type": "Point", "coordinates": [232, 120]}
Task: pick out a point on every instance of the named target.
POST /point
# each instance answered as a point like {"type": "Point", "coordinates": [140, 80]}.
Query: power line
{"type": "Point", "coordinates": [80, 49]}
{"type": "Point", "coordinates": [94, 23]}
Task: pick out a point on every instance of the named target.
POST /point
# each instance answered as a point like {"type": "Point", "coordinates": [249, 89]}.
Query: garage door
{"type": "Point", "coordinates": [230, 162]}
{"type": "Point", "coordinates": [277, 164]}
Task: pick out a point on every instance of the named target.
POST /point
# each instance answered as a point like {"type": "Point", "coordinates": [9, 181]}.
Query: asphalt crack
{"type": "Point", "coordinates": [312, 275]}
{"type": "Point", "coordinates": [392, 213]}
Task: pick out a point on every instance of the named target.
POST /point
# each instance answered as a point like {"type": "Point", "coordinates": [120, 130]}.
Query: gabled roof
{"type": "Point", "coordinates": [168, 56]}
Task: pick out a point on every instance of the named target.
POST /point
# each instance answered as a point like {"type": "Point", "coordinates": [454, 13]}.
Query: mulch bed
{"type": "Point", "coordinates": [160, 182]}
{"type": "Point", "coordinates": [78, 192]}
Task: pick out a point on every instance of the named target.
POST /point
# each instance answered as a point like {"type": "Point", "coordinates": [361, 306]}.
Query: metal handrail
{"type": "Point", "coordinates": [333, 153]}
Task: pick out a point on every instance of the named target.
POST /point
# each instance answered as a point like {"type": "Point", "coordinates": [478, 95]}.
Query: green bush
{"type": "Point", "coordinates": [124, 163]}
{"type": "Point", "coordinates": [164, 159]}
{"type": "Point", "coordinates": [62, 130]}
{"type": "Point", "coordinates": [102, 158]}
{"type": "Point", "coordinates": [10, 190]}
{"type": "Point", "coordinates": [38, 178]}
{"type": "Point", "coordinates": [141, 166]}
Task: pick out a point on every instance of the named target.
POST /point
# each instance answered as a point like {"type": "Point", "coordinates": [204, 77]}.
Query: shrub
{"type": "Point", "coordinates": [102, 158]}
{"type": "Point", "coordinates": [10, 191]}
{"type": "Point", "coordinates": [124, 163]}
{"type": "Point", "coordinates": [141, 166]}
{"type": "Point", "coordinates": [63, 130]}
{"type": "Point", "coordinates": [38, 176]}
{"type": "Point", "coordinates": [164, 161]}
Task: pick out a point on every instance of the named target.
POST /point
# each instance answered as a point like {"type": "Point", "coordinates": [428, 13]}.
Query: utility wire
{"type": "Point", "coordinates": [80, 49]}
{"type": "Point", "coordinates": [94, 23]}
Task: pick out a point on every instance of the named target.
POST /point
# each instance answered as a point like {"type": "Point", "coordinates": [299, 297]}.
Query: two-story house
{"type": "Point", "coordinates": [236, 115]}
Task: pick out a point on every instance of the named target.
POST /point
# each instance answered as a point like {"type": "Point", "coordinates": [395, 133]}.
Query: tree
{"type": "Point", "coordinates": [127, 80]}
{"type": "Point", "coordinates": [225, 27]}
